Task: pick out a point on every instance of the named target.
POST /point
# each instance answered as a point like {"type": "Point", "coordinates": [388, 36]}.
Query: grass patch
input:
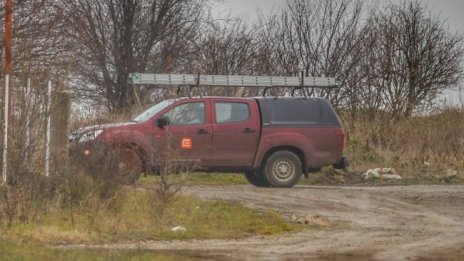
{"type": "Point", "coordinates": [135, 216]}
{"type": "Point", "coordinates": [199, 178]}
{"type": "Point", "coordinates": [328, 176]}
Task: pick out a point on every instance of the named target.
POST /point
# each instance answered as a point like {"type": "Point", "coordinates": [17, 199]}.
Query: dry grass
{"type": "Point", "coordinates": [132, 217]}
{"type": "Point", "coordinates": [424, 144]}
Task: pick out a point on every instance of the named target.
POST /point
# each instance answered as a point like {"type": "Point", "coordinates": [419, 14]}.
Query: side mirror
{"type": "Point", "coordinates": [162, 121]}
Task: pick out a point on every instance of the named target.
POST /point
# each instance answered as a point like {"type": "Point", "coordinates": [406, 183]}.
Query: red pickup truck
{"type": "Point", "coordinates": [272, 140]}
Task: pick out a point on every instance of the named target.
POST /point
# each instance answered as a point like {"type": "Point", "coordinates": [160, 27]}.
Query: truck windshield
{"type": "Point", "coordinates": [153, 110]}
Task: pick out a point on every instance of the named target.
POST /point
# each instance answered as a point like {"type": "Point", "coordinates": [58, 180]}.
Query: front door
{"type": "Point", "coordinates": [188, 134]}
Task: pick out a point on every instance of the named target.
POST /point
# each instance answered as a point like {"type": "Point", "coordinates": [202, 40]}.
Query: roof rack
{"type": "Point", "coordinates": [194, 80]}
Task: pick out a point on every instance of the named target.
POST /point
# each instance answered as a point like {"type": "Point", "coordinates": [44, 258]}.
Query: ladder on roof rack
{"type": "Point", "coordinates": [267, 82]}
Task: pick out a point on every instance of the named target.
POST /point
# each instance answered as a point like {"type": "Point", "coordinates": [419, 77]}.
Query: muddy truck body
{"type": "Point", "coordinates": [273, 140]}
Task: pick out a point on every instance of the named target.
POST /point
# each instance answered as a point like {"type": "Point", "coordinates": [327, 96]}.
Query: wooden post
{"type": "Point", "coordinates": [60, 114]}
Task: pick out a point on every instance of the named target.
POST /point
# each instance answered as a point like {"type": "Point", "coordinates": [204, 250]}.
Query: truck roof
{"type": "Point", "coordinates": [255, 98]}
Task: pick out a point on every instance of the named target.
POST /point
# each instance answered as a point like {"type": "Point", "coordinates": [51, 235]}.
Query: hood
{"type": "Point", "coordinates": [86, 131]}
{"type": "Point", "coordinates": [102, 127]}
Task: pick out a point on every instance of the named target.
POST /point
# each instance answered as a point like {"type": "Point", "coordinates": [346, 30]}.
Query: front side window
{"type": "Point", "coordinates": [231, 112]}
{"type": "Point", "coordinates": [187, 114]}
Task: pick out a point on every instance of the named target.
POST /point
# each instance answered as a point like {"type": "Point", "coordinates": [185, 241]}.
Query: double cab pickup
{"type": "Point", "coordinates": [273, 141]}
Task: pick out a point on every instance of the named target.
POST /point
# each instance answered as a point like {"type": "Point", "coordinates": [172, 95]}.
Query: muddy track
{"type": "Point", "coordinates": [382, 223]}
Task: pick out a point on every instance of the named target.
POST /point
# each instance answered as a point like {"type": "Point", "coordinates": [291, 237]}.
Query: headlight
{"type": "Point", "coordinates": [90, 135]}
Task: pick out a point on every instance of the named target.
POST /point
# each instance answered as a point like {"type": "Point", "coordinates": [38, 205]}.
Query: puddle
{"type": "Point", "coordinates": [20, 251]}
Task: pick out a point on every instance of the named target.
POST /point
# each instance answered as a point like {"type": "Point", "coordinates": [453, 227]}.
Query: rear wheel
{"type": "Point", "coordinates": [256, 178]}
{"type": "Point", "coordinates": [124, 165]}
{"type": "Point", "coordinates": [283, 169]}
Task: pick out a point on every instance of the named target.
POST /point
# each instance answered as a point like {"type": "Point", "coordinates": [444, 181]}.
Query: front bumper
{"type": "Point", "coordinates": [87, 154]}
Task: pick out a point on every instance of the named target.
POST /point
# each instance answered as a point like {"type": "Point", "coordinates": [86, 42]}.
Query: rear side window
{"type": "Point", "coordinates": [230, 112]}
{"type": "Point", "coordinates": [298, 112]}
{"type": "Point", "coordinates": [295, 113]}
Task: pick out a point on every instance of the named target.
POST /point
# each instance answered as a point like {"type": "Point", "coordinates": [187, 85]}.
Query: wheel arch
{"type": "Point", "coordinates": [293, 149]}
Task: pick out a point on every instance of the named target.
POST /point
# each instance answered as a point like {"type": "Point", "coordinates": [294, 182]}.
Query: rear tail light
{"type": "Point", "coordinates": [341, 139]}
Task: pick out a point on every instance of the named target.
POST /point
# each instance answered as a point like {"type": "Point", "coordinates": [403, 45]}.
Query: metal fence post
{"type": "Point", "coordinates": [48, 130]}
{"type": "Point", "coordinates": [5, 129]}
{"type": "Point", "coordinates": [28, 118]}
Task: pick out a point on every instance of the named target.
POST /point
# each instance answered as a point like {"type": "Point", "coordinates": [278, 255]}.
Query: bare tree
{"type": "Point", "coordinates": [226, 47]}
{"type": "Point", "coordinates": [39, 40]}
{"type": "Point", "coordinates": [116, 37]}
{"type": "Point", "coordinates": [417, 56]}
{"type": "Point", "coordinates": [362, 89]}
{"type": "Point", "coordinates": [320, 38]}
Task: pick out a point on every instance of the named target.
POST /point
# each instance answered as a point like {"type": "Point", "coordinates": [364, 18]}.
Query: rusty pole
{"type": "Point", "coordinates": [8, 46]}
{"type": "Point", "coordinates": [8, 42]}
{"type": "Point", "coordinates": [8, 35]}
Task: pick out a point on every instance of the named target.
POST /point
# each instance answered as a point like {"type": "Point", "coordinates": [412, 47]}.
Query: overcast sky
{"type": "Point", "coordinates": [450, 10]}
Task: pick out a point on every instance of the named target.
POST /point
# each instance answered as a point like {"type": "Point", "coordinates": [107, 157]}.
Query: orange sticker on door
{"type": "Point", "coordinates": [186, 143]}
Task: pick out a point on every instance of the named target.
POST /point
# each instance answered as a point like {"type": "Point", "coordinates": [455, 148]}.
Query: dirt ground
{"type": "Point", "coordinates": [353, 223]}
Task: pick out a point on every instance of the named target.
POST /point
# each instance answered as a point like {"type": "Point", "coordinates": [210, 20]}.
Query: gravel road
{"type": "Point", "coordinates": [379, 223]}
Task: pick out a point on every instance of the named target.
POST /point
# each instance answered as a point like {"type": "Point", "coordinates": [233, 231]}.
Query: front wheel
{"type": "Point", "coordinates": [124, 165]}
{"type": "Point", "coordinates": [256, 178]}
{"type": "Point", "coordinates": [283, 169]}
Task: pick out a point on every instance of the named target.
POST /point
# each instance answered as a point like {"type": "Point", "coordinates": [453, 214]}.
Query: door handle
{"type": "Point", "coordinates": [248, 130]}
{"type": "Point", "coordinates": [203, 131]}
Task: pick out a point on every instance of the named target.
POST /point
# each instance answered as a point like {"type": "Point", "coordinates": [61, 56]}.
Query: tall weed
{"type": "Point", "coordinates": [417, 144]}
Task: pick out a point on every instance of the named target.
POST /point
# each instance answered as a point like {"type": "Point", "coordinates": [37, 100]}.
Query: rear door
{"type": "Point", "coordinates": [236, 129]}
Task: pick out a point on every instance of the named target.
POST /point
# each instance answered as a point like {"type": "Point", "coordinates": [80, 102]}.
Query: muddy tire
{"type": "Point", "coordinates": [256, 178]}
{"type": "Point", "coordinates": [283, 169]}
{"type": "Point", "coordinates": [124, 165]}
